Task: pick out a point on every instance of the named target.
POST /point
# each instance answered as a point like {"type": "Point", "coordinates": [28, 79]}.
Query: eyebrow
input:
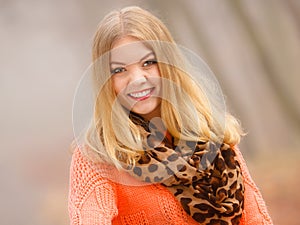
{"type": "Point", "coordinates": [143, 58]}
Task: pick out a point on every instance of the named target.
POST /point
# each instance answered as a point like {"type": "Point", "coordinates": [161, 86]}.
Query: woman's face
{"type": "Point", "coordinates": [135, 77]}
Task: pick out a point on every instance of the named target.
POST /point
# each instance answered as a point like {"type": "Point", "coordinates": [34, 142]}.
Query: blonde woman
{"type": "Point", "coordinates": [160, 148]}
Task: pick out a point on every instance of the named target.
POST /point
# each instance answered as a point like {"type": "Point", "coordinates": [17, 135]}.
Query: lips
{"type": "Point", "coordinates": [141, 95]}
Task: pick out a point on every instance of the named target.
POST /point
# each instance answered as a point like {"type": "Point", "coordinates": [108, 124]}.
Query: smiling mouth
{"type": "Point", "coordinates": [141, 95]}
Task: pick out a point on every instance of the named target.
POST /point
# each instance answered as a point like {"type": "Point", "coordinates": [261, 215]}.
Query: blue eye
{"type": "Point", "coordinates": [149, 62]}
{"type": "Point", "coordinates": [117, 70]}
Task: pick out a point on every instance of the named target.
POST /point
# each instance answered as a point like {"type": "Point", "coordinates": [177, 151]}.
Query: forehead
{"type": "Point", "coordinates": [128, 50]}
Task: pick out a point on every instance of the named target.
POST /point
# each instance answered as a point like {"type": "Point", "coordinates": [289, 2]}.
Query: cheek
{"type": "Point", "coordinates": [156, 72]}
{"type": "Point", "coordinates": [117, 85]}
{"type": "Point", "coordinates": [156, 77]}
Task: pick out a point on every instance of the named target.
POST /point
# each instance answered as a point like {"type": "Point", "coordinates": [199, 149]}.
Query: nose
{"type": "Point", "coordinates": [137, 75]}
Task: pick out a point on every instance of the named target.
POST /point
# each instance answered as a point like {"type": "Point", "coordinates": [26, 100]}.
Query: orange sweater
{"type": "Point", "coordinates": [95, 199]}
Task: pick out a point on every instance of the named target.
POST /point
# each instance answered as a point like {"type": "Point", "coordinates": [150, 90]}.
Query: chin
{"type": "Point", "coordinates": [148, 111]}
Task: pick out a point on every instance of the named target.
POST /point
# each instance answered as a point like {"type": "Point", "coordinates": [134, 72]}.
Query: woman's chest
{"type": "Point", "coordinates": [150, 204]}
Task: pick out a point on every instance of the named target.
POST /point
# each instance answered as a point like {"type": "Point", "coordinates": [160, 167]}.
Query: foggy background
{"type": "Point", "coordinates": [253, 47]}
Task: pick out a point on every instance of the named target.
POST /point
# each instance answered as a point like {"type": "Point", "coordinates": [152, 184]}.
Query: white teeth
{"type": "Point", "coordinates": [140, 94]}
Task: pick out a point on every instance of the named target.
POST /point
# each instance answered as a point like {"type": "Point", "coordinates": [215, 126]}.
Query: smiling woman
{"type": "Point", "coordinates": [159, 149]}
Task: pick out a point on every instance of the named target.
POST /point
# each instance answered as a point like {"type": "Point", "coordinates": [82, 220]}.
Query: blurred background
{"type": "Point", "coordinates": [252, 46]}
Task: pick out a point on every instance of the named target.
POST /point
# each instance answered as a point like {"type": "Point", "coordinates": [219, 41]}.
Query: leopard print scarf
{"type": "Point", "coordinates": [205, 177]}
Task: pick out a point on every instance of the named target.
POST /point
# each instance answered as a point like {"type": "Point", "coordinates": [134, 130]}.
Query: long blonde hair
{"type": "Point", "coordinates": [193, 119]}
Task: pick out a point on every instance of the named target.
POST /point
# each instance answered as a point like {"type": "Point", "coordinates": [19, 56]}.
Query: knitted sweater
{"type": "Point", "coordinates": [95, 199]}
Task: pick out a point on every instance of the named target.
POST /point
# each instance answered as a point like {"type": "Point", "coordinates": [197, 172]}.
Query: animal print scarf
{"type": "Point", "coordinates": [205, 177]}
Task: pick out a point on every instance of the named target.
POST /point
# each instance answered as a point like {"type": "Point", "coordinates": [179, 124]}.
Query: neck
{"type": "Point", "coordinates": [155, 113]}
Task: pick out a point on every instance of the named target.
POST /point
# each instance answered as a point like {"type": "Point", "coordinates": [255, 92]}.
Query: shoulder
{"type": "Point", "coordinates": [83, 168]}
{"type": "Point", "coordinates": [255, 209]}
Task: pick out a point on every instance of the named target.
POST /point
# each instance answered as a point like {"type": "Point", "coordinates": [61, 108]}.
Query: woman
{"type": "Point", "coordinates": [159, 150]}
